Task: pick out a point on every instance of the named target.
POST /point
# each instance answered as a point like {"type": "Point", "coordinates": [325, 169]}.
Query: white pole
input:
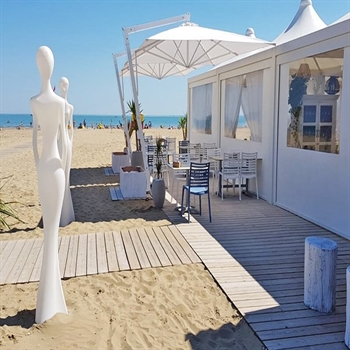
{"type": "Point", "coordinates": [135, 29]}
{"type": "Point", "coordinates": [121, 96]}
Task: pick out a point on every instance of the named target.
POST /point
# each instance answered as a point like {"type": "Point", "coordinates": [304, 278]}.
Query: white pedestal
{"type": "Point", "coordinates": [133, 182]}
{"type": "Point", "coordinates": [119, 159]}
{"type": "Point", "coordinates": [320, 273]}
{"type": "Point", "coordinates": [347, 327]}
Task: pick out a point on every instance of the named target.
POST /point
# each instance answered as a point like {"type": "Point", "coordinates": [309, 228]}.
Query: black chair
{"type": "Point", "coordinates": [184, 146]}
{"type": "Point", "coordinates": [198, 185]}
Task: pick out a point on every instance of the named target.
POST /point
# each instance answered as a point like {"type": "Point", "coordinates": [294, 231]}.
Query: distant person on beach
{"type": "Point", "coordinates": [74, 123]}
{"type": "Point", "coordinates": [84, 123]}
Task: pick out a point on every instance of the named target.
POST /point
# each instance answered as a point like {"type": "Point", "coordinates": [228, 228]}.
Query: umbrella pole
{"type": "Point", "coordinates": [125, 124]}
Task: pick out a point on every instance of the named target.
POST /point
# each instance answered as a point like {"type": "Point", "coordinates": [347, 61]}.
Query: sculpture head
{"type": "Point", "coordinates": [64, 86]}
{"type": "Point", "coordinates": [45, 62]}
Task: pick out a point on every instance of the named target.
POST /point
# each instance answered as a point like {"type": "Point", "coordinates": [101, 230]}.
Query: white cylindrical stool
{"type": "Point", "coordinates": [347, 327]}
{"type": "Point", "coordinates": [320, 273]}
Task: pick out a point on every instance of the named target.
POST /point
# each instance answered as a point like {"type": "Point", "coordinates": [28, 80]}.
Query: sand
{"type": "Point", "coordinates": [178, 307]}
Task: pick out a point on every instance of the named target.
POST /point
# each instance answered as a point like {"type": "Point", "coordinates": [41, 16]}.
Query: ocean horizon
{"type": "Point", "coordinates": [165, 121]}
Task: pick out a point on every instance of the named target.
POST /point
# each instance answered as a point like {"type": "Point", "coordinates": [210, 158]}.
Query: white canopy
{"type": "Point", "coordinates": [341, 19]}
{"type": "Point", "coordinates": [192, 46]}
{"type": "Point", "coordinates": [304, 22]}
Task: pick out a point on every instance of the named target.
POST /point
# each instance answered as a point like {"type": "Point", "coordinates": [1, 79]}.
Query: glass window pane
{"type": "Point", "coordinates": [326, 114]}
{"type": "Point", "coordinates": [326, 133]}
{"type": "Point", "coordinates": [309, 133]}
{"type": "Point", "coordinates": [309, 114]}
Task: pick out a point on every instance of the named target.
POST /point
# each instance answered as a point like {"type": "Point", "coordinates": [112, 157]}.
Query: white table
{"type": "Point", "coordinates": [220, 159]}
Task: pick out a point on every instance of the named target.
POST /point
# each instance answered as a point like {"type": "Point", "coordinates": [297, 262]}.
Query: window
{"type": "Point", "coordinates": [202, 101]}
{"type": "Point", "coordinates": [243, 106]}
{"type": "Point", "coordinates": [314, 102]}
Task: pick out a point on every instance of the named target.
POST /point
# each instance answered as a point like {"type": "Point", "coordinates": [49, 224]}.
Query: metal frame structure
{"type": "Point", "coordinates": [121, 96]}
{"type": "Point", "coordinates": [131, 30]}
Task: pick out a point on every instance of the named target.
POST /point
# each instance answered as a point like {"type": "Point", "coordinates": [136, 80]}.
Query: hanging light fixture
{"type": "Point", "coordinates": [304, 70]}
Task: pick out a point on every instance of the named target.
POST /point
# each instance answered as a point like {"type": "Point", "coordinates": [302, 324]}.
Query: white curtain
{"type": "Point", "coordinates": [233, 95]}
{"type": "Point", "coordinates": [252, 103]}
{"type": "Point", "coordinates": [202, 101]}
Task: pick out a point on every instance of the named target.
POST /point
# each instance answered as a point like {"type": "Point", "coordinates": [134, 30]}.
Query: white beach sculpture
{"type": "Point", "coordinates": [67, 215]}
{"type": "Point", "coordinates": [48, 111]}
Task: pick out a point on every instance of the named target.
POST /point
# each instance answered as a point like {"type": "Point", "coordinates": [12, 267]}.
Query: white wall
{"type": "Point", "coordinates": [316, 185]}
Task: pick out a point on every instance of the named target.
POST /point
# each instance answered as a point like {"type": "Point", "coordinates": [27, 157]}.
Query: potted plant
{"type": "Point", "coordinates": [183, 126]}
{"type": "Point", "coordinates": [158, 184]}
{"type": "Point", "coordinates": [136, 157]}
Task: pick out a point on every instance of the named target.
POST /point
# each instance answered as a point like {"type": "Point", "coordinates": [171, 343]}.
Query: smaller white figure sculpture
{"type": "Point", "coordinates": [48, 111]}
{"type": "Point", "coordinates": [67, 215]}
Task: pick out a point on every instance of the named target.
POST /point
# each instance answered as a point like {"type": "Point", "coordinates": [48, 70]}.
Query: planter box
{"type": "Point", "coordinates": [119, 159]}
{"type": "Point", "coordinates": [133, 182]}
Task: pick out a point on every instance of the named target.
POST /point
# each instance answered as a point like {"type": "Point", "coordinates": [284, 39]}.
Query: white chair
{"type": "Point", "coordinates": [208, 145]}
{"type": "Point", "coordinates": [184, 146]}
{"type": "Point", "coordinates": [214, 164]}
{"type": "Point", "coordinates": [196, 151]}
{"type": "Point", "coordinates": [170, 143]}
{"type": "Point", "coordinates": [249, 168]}
{"type": "Point", "coordinates": [230, 172]}
{"type": "Point", "coordinates": [179, 174]}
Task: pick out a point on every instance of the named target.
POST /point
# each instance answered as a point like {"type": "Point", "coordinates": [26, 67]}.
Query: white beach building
{"type": "Point", "coordinates": [295, 99]}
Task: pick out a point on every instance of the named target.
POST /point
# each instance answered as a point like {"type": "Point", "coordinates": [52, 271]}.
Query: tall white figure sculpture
{"type": "Point", "coordinates": [67, 215]}
{"type": "Point", "coordinates": [48, 111]}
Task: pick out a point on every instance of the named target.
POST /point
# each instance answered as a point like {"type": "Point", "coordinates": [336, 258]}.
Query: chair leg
{"type": "Point", "coordinates": [188, 205]}
{"type": "Point", "coordinates": [182, 199]}
{"type": "Point", "coordinates": [200, 205]}
{"type": "Point", "coordinates": [209, 207]}
{"type": "Point", "coordinates": [240, 188]}
{"type": "Point", "coordinates": [256, 185]}
{"type": "Point", "coordinates": [222, 189]}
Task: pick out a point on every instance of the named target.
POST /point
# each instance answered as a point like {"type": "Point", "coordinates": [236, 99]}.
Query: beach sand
{"type": "Point", "coordinates": [164, 308]}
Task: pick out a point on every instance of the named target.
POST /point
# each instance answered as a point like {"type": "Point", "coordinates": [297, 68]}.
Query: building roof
{"type": "Point", "coordinates": [305, 21]}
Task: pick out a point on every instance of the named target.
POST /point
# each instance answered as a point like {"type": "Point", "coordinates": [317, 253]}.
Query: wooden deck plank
{"type": "Point", "coordinates": [163, 258]}
{"type": "Point", "coordinates": [184, 244]}
{"type": "Point", "coordinates": [262, 270]}
{"type": "Point", "coordinates": [151, 254]}
{"type": "Point", "coordinates": [140, 251]}
{"type": "Point", "coordinates": [176, 246]}
{"type": "Point", "coordinates": [166, 246]}
{"type": "Point", "coordinates": [119, 249]}
{"type": "Point", "coordinates": [2, 247]}
{"type": "Point", "coordinates": [111, 253]}
{"type": "Point", "coordinates": [130, 250]}
{"type": "Point", "coordinates": [113, 194]}
{"type": "Point", "coordinates": [295, 342]}
{"type": "Point", "coordinates": [71, 265]}
{"type": "Point", "coordinates": [21, 262]}
{"type": "Point", "coordinates": [82, 256]}
{"type": "Point", "coordinates": [35, 275]}
{"type": "Point", "coordinates": [63, 253]}
{"type": "Point", "coordinates": [30, 263]}
{"type": "Point", "coordinates": [6, 253]}
{"type": "Point", "coordinates": [11, 260]}
{"type": "Point", "coordinates": [91, 261]}
{"type": "Point", "coordinates": [102, 266]}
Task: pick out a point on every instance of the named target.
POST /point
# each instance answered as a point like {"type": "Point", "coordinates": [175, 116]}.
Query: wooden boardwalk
{"type": "Point", "coordinates": [255, 252]}
{"type": "Point", "coordinates": [94, 253]}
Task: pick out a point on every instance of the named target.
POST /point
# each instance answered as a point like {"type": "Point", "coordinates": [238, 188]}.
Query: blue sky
{"type": "Point", "coordinates": [84, 34]}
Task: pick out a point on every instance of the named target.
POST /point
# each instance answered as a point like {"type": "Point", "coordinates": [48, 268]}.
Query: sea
{"type": "Point", "coordinates": [114, 121]}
